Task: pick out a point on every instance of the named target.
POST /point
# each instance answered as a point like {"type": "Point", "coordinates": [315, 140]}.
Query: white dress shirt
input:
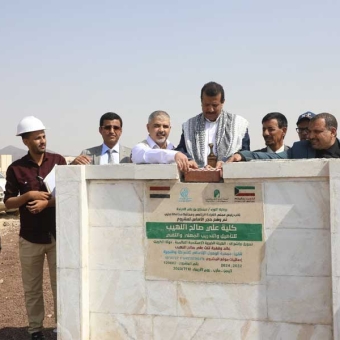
{"type": "Point", "coordinates": [269, 150]}
{"type": "Point", "coordinates": [210, 134]}
{"type": "Point", "coordinates": [151, 153]}
{"type": "Point", "coordinates": [104, 158]}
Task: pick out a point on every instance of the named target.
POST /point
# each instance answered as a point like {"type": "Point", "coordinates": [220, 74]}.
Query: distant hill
{"type": "Point", "coordinates": [14, 151]}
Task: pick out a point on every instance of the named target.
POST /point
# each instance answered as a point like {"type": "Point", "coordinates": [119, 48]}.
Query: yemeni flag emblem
{"type": "Point", "coordinates": [246, 191]}
{"type": "Point", "coordinates": [159, 192]}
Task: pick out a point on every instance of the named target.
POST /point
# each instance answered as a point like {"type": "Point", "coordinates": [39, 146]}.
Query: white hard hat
{"type": "Point", "coordinates": [29, 124]}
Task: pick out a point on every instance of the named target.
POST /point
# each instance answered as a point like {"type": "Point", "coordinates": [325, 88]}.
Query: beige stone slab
{"type": "Point", "coordinates": [132, 171]}
{"type": "Point", "coordinates": [161, 298]}
{"type": "Point", "coordinates": [218, 329]}
{"type": "Point", "coordinates": [120, 327]}
{"type": "Point", "coordinates": [276, 169]}
{"type": "Point", "coordinates": [334, 180]}
{"type": "Point", "coordinates": [109, 172]}
{"type": "Point", "coordinates": [296, 205]}
{"type": "Point", "coordinates": [204, 232]}
{"type": "Point", "coordinates": [229, 301]}
{"type": "Point", "coordinates": [69, 304]}
{"type": "Point", "coordinates": [69, 220]}
{"type": "Point", "coordinates": [300, 299]}
{"type": "Point", "coordinates": [299, 252]}
{"type": "Point", "coordinates": [115, 204]}
{"type": "Point", "coordinates": [336, 306]}
{"type": "Point", "coordinates": [336, 254]}
{"type": "Point", "coordinates": [117, 292]}
{"type": "Point", "coordinates": [156, 171]}
{"type": "Point", "coordinates": [69, 173]}
{"type": "Point", "coordinates": [172, 328]}
{"type": "Point", "coordinates": [116, 248]}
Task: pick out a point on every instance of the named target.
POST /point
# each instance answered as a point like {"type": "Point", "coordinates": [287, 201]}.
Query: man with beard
{"type": "Point", "coordinates": [157, 148]}
{"type": "Point", "coordinates": [110, 152]}
{"type": "Point", "coordinates": [37, 218]}
{"type": "Point", "coordinates": [322, 142]}
{"type": "Point", "coordinates": [274, 129]}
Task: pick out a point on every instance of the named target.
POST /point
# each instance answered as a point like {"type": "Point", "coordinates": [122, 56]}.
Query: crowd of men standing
{"type": "Point", "coordinates": [226, 132]}
{"type": "Point", "coordinates": [214, 129]}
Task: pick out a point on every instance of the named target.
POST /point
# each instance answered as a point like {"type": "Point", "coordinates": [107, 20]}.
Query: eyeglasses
{"type": "Point", "coordinates": [109, 127]}
{"type": "Point", "coordinates": [302, 130]}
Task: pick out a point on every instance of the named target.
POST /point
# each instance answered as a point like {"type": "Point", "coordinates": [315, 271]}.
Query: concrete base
{"type": "Point", "coordinates": [103, 289]}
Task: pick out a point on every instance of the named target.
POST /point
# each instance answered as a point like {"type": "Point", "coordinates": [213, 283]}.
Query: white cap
{"type": "Point", "coordinates": [29, 124]}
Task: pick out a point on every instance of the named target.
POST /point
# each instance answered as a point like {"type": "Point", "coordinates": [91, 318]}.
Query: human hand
{"type": "Point", "coordinates": [219, 164]}
{"type": "Point", "coordinates": [236, 157]}
{"type": "Point", "coordinates": [192, 164]}
{"type": "Point", "coordinates": [36, 206]}
{"type": "Point", "coordinates": [182, 161]}
{"type": "Point", "coordinates": [39, 195]}
{"type": "Point", "coordinates": [82, 160]}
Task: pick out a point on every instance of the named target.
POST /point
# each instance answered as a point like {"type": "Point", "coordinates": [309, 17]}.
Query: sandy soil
{"type": "Point", "coordinates": [13, 319]}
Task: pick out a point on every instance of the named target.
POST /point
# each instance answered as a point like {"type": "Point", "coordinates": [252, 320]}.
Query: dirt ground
{"type": "Point", "coordinates": [13, 319]}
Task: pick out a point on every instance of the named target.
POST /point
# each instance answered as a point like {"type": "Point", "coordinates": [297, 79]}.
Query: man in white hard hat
{"type": "Point", "coordinates": [110, 152]}
{"type": "Point", "coordinates": [25, 189]}
{"type": "Point", "coordinates": [157, 149]}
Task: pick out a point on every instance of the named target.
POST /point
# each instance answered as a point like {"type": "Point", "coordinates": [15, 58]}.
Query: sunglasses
{"type": "Point", "coordinates": [109, 127]}
{"type": "Point", "coordinates": [302, 130]}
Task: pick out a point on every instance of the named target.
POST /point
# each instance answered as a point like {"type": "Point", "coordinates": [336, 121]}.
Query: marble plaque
{"type": "Point", "coordinates": [204, 232]}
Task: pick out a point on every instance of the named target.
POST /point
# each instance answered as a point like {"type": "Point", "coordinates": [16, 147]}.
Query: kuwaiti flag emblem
{"type": "Point", "coordinates": [244, 191]}
{"type": "Point", "coordinates": [159, 192]}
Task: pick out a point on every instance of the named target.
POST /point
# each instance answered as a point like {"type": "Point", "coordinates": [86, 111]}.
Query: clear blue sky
{"type": "Point", "coordinates": [68, 62]}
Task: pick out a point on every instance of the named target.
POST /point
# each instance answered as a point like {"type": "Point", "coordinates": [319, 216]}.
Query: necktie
{"type": "Point", "coordinates": [111, 158]}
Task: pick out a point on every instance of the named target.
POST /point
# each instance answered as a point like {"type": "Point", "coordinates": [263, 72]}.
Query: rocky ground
{"type": "Point", "coordinates": [13, 320]}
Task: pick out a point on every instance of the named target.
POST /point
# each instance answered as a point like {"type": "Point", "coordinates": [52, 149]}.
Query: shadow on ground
{"type": "Point", "coordinates": [20, 333]}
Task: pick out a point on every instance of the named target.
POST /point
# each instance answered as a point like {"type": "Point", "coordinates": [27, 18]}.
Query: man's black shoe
{"type": "Point", "coordinates": [38, 336]}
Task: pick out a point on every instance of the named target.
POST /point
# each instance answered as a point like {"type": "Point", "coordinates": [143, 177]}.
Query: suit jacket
{"type": "Point", "coordinates": [96, 152]}
{"type": "Point", "coordinates": [265, 149]}
{"type": "Point", "coordinates": [302, 149]}
{"type": "Point", "coordinates": [299, 150]}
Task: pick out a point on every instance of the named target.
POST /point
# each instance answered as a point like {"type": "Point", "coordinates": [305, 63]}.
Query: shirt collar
{"type": "Point", "coordinates": [29, 158]}
{"type": "Point", "coordinates": [154, 145]}
{"type": "Point", "coordinates": [105, 148]}
{"type": "Point", "coordinates": [281, 149]}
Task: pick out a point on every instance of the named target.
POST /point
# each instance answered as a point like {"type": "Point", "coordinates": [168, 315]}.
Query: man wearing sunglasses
{"type": "Point", "coordinates": [303, 123]}
{"type": "Point", "coordinates": [110, 152]}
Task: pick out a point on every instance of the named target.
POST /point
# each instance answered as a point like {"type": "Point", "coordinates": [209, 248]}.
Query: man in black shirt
{"type": "Point", "coordinates": [26, 190]}
{"type": "Point", "coordinates": [322, 133]}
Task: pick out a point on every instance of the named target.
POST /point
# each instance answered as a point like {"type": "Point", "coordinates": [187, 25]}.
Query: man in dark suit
{"type": "Point", "coordinates": [322, 143]}
{"type": "Point", "coordinates": [110, 152]}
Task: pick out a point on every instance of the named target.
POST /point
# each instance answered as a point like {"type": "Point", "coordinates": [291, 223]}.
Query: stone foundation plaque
{"type": "Point", "coordinates": [204, 232]}
{"type": "Point", "coordinates": [203, 175]}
